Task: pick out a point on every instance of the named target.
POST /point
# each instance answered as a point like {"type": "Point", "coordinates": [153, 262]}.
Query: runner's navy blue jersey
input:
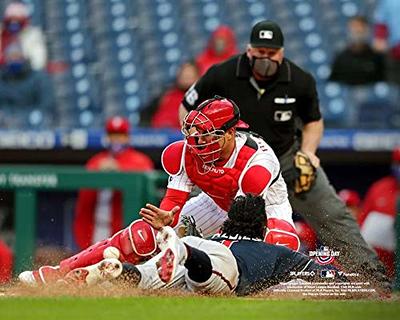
{"type": "Point", "coordinates": [262, 265]}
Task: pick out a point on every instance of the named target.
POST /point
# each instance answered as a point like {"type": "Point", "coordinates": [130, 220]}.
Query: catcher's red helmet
{"type": "Point", "coordinates": [210, 121]}
{"type": "Point", "coordinates": [222, 113]}
{"type": "Point", "coordinates": [117, 125]}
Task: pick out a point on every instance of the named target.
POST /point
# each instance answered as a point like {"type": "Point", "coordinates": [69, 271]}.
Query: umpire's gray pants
{"type": "Point", "coordinates": [327, 215]}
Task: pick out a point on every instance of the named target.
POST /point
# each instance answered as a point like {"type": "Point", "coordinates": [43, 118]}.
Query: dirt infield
{"type": "Point", "coordinates": [108, 290]}
{"type": "Point", "coordinates": [19, 290]}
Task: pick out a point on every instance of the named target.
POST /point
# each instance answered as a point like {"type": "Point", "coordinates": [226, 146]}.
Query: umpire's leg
{"type": "Point", "coordinates": [334, 225]}
{"type": "Point", "coordinates": [327, 215]}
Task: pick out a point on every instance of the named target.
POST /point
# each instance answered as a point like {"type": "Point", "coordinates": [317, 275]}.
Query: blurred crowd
{"type": "Point", "coordinates": [372, 55]}
{"type": "Point", "coordinates": [25, 87]}
{"type": "Point", "coordinates": [163, 111]}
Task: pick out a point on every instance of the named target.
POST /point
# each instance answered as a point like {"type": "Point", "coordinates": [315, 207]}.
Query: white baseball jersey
{"type": "Point", "coordinates": [209, 216]}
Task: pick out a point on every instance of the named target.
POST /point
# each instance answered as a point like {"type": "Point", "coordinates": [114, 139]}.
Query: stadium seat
{"type": "Point", "coordinates": [121, 54]}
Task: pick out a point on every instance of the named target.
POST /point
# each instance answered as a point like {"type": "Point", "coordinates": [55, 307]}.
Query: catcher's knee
{"type": "Point", "coordinates": [138, 238]}
{"type": "Point", "coordinates": [281, 232]}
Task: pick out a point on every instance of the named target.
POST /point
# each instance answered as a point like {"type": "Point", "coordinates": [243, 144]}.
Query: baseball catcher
{"type": "Point", "coordinates": [223, 163]}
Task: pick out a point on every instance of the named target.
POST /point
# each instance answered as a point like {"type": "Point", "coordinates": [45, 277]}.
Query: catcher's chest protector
{"type": "Point", "coordinates": [220, 183]}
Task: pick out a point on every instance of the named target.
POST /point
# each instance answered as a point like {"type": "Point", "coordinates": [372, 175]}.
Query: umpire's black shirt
{"type": "Point", "coordinates": [270, 108]}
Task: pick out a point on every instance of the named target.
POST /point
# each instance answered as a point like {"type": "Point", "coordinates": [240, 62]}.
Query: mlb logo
{"type": "Point", "coordinates": [328, 274]}
{"type": "Point", "coordinates": [266, 34]}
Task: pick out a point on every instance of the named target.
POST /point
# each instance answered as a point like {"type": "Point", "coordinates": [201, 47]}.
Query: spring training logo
{"type": "Point", "coordinates": [324, 255]}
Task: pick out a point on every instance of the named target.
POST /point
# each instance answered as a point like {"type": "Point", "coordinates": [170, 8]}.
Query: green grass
{"type": "Point", "coordinates": [136, 308]}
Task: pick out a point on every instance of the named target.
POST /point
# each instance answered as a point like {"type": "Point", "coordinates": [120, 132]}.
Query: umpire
{"type": "Point", "coordinates": [273, 94]}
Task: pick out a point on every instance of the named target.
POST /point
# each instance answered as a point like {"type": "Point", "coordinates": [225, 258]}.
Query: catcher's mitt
{"type": "Point", "coordinates": [306, 173]}
{"type": "Point", "coordinates": [188, 228]}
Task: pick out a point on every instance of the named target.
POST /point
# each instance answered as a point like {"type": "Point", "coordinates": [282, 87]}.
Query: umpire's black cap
{"type": "Point", "coordinates": [266, 34]}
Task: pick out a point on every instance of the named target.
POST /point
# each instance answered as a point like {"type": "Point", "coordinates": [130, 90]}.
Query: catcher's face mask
{"type": "Point", "coordinates": [205, 127]}
{"type": "Point", "coordinates": [203, 139]}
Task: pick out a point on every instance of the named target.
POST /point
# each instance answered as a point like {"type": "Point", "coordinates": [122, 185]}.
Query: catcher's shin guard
{"type": "Point", "coordinates": [282, 233]}
{"type": "Point", "coordinates": [133, 244]}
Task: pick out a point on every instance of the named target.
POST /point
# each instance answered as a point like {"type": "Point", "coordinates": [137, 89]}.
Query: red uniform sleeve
{"type": "Point", "coordinates": [132, 160]}
{"type": "Point", "coordinates": [167, 110]}
{"type": "Point", "coordinates": [174, 198]}
{"type": "Point", "coordinates": [381, 31]}
{"type": "Point", "coordinates": [380, 197]}
{"type": "Point", "coordinates": [255, 180]}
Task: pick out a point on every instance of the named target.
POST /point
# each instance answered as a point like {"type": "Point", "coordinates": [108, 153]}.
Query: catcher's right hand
{"type": "Point", "coordinates": [306, 173]}
{"type": "Point", "coordinates": [157, 217]}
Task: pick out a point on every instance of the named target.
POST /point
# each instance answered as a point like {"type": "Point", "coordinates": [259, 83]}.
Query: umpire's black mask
{"type": "Point", "coordinates": [264, 67]}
